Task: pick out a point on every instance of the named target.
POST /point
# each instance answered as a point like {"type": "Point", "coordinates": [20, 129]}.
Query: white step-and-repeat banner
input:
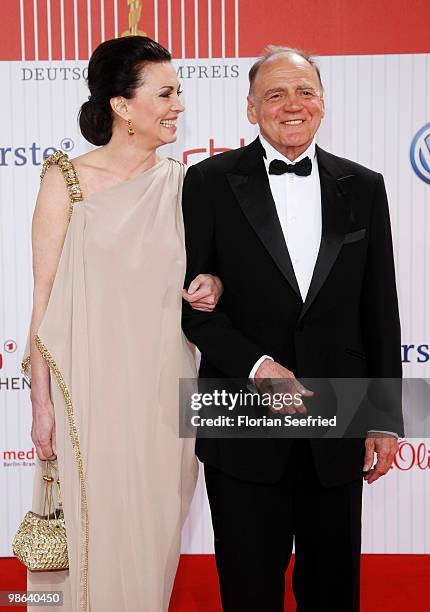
{"type": "Point", "coordinates": [378, 113]}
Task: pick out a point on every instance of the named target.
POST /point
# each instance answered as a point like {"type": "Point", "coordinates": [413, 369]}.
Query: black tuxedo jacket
{"type": "Point", "coordinates": [348, 325]}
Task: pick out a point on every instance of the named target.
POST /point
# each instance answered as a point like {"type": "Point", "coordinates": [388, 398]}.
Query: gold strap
{"type": "Point", "coordinates": [61, 159]}
{"type": "Point", "coordinates": [74, 436]}
{"type": "Point", "coordinates": [49, 504]}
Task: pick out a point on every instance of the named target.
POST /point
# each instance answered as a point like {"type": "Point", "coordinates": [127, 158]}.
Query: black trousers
{"type": "Point", "coordinates": [255, 526]}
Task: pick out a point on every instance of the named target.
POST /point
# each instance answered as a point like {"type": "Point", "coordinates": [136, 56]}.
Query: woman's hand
{"type": "Point", "coordinates": [43, 430]}
{"type": "Point", "coordinates": [204, 292]}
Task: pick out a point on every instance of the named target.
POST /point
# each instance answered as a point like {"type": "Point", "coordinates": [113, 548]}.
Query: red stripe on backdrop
{"type": "Point", "coordinates": [56, 30]}
{"type": "Point", "coordinates": [10, 42]}
{"type": "Point", "coordinates": [326, 28]}
{"type": "Point", "coordinates": [229, 28]}
{"type": "Point", "coordinates": [216, 28]}
{"type": "Point", "coordinates": [203, 29]}
{"type": "Point", "coordinates": [96, 24]}
{"type": "Point", "coordinates": [176, 49]}
{"type": "Point", "coordinates": [28, 30]}
{"type": "Point", "coordinates": [190, 30]}
{"type": "Point", "coordinates": [345, 27]}
{"type": "Point", "coordinates": [42, 30]}
{"type": "Point", "coordinates": [109, 20]}
{"type": "Point", "coordinates": [83, 29]}
{"type": "Point", "coordinates": [162, 23]}
{"type": "Point", "coordinates": [69, 29]}
{"type": "Point", "coordinates": [147, 18]}
{"type": "Point", "coordinates": [122, 17]}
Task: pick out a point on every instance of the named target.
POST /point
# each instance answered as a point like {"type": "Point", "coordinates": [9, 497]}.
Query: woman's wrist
{"type": "Point", "coordinates": [41, 403]}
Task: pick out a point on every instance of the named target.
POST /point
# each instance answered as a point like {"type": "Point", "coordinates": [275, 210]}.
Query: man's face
{"type": "Point", "coordinates": [287, 103]}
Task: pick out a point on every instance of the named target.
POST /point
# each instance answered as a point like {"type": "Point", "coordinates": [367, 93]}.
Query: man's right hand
{"type": "Point", "coordinates": [271, 370]}
{"type": "Point", "coordinates": [43, 431]}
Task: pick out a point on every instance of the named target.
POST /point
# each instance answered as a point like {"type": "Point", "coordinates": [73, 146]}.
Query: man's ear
{"type": "Point", "coordinates": [119, 107]}
{"type": "Point", "coordinates": [250, 110]}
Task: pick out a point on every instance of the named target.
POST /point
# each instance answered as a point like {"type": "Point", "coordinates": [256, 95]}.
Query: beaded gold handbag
{"type": "Point", "coordinates": [40, 542]}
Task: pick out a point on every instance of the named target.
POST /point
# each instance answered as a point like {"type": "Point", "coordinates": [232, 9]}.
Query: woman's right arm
{"type": "Point", "coordinates": [49, 229]}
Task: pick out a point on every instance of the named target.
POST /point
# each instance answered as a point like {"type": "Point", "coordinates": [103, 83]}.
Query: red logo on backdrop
{"type": "Point", "coordinates": [10, 383]}
{"type": "Point", "coordinates": [412, 455]}
{"type": "Point", "coordinates": [9, 346]}
{"type": "Point", "coordinates": [204, 152]}
{"type": "Point", "coordinates": [19, 455]}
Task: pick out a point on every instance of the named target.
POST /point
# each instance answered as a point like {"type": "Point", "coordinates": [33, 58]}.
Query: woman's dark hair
{"type": "Point", "coordinates": [115, 69]}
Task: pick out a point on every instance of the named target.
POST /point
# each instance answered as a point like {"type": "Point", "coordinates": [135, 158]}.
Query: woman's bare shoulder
{"type": "Point", "coordinates": [92, 171]}
{"type": "Point", "coordinates": [88, 163]}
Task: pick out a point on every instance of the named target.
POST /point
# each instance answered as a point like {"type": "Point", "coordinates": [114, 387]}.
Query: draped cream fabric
{"type": "Point", "coordinates": [112, 337]}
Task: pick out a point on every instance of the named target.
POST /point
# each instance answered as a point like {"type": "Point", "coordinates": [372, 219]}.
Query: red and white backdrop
{"type": "Point", "coordinates": [375, 64]}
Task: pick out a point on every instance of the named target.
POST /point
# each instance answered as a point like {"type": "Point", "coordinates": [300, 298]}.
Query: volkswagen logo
{"type": "Point", "coordinates": [420, 153]}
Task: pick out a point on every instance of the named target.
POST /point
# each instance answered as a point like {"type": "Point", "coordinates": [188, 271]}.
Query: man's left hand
{"type": "Point", "coordinates": [204, 292]}
{"type": "Point", "coordinates": [385, 447]}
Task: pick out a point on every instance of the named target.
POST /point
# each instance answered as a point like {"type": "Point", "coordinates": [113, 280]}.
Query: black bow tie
{"type": "Point", "coordinates": [301, 168]}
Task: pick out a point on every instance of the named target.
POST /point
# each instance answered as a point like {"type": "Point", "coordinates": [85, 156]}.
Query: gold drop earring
{"type": "Point", "coordinates": [131, 132]}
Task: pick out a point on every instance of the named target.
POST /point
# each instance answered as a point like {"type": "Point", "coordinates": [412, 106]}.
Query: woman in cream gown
{"type": "Point", "coordinates": [110, 334]}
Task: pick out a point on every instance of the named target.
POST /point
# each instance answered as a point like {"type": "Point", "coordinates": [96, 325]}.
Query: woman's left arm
{"type": "Point", "coordinates": [204, 292]}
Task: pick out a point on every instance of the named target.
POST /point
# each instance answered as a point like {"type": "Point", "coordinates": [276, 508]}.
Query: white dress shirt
{"type": "Point", "coordinates": [298, 204]}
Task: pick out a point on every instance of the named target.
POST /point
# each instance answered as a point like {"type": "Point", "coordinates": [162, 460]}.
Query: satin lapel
{"type": "Point", "coordinates": [335, 211]}
{"type": "Point", "coordinates": [252, 190]}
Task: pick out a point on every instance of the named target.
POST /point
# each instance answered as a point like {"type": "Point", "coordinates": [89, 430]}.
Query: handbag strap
{"type": "Point", "coordinates": [61, 159]}
{"type": "Point", "coordinates": [49, 506]}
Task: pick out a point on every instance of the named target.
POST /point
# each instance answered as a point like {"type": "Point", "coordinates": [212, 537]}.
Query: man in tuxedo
{"type": "Point", "coordinates": [302, 242]}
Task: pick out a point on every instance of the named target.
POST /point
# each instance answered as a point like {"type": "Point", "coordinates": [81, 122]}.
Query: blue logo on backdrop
{"type": "Point", "coordinates": [32, 154]}
{"type": "Point", "coordinates": [416, 353]}
{"type": "Point", "coordinates": [420, 153]}
{"type": "Point", "coordinates": [67, 144]}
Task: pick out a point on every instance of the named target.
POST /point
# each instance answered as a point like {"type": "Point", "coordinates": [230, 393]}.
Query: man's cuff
{"type": "Point", "coordinates": [388, 433]}
{"type": "Point", "coordinates": [257, 364]}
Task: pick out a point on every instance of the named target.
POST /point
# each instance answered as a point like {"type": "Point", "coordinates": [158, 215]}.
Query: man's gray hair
{"type": "Point", "coordinates": [274, 50]}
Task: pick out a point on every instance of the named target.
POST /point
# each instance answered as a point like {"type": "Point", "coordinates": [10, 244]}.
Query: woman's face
{"type": "Point", "coordinates": [155, 107]}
